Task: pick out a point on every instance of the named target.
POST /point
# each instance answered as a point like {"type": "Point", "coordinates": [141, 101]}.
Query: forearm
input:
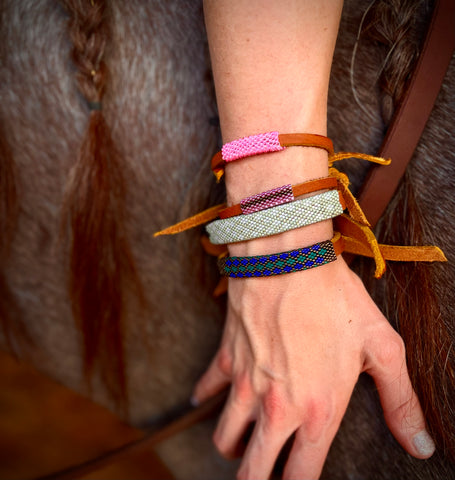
{"type": "Point", "coordinates": [293, 345]}
{"type": "Point", "coordinates": [271, 64]}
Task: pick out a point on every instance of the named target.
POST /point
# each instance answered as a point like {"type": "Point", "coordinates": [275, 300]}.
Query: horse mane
{"type": "Point", "coordinates": [102, 267]}
{"type": "Point", "coordinates": [397, 26]}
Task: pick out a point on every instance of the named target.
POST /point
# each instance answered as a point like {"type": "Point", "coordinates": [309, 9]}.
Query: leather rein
{"type": "Point", "coordinates": [413, 112]}
{"type": "Point", "coordinates": [400, 142]}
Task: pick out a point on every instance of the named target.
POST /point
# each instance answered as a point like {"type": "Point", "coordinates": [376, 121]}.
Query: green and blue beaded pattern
{"type": "Point", "coordinates": [279, 263]}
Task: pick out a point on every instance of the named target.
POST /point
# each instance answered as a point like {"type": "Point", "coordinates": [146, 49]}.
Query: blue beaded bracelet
{"type": "Point", "coordinates": [279, 263]}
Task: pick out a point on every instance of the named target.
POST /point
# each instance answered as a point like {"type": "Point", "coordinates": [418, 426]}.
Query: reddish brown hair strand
{"type": "Point", "coordinates": [102, 265]}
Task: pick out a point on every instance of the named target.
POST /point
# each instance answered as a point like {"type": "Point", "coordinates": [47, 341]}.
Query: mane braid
{"type": "Point", "coordinates": [397, 24]}
{"type": "Point", "coordinates": [103, 271]}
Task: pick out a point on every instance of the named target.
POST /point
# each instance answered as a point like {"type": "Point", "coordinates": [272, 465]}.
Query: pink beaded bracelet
{"type": "Point", "coordinates": [266, 143]}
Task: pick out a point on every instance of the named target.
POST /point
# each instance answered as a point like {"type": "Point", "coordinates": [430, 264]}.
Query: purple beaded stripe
{"type": "Point", "coordinates": [264, 200]}
{"type": "Point", "coordinates": [252, 145]}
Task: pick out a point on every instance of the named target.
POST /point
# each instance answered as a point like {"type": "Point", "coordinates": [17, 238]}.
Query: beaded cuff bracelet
{"type": "Point", "coordinates": [279, 263]}
{"type": "Point", "coordinates": [277, 219]}
{"type": "Point", "coordinates": [266, 143]}
{"type": "Point", "coordinates": [277, 196]}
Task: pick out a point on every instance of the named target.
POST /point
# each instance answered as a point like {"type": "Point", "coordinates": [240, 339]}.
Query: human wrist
{"type": "Point", "coordinates": [263, 172]}
{"type": "Point", "coordinates": [266, 171]}
{"type": "Point", "coordinates": [290, 240]}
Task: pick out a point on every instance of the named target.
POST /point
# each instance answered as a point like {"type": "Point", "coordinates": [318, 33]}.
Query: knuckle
{"type": "Point", "coordinates": [274, 408]}
{"type": "Point", "coordinates": [243, 389]}
{"type": "Point", "coordinates": [224, 361]}
{"type": "Point", "coordinates": [392, 350]}
{"type": "Point", "coordinates": [320, 412]}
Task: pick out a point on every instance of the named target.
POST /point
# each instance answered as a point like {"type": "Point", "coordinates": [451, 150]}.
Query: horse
{"type": "Point", "coordinates": [107, 124]}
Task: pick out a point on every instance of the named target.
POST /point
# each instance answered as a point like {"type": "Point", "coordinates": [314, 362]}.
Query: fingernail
{"type": "Point", "coordinates": [424, 443]}
{"type": "Point", "coordinates": [194, 402]}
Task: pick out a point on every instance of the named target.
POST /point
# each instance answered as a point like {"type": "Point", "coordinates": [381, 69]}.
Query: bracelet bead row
{"type": "Point", "coordinates": [272, 221]}
{"type": "Point", "coordinates": [280, 263]}
{"type": "Point", "coordinates": [277, 196]}
{"type": "Point", "coordinates": [265, 143]}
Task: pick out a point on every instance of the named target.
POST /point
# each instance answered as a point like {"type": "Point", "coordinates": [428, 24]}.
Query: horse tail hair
{"type": "Point", "coordinates": [410, 298]}
{"type": "Point", "coordinates": [102, 267]}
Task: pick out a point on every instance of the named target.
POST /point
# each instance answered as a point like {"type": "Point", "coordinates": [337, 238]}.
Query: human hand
{"type": "Point", "coordinates": [292, 350]}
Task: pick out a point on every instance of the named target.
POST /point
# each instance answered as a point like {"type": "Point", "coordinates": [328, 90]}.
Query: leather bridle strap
{"type": "Point", "coordinates": [412, 114]}
{"type": "Point", "coordinates": [150, 439]}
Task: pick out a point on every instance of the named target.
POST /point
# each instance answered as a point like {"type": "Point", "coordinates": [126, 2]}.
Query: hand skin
{"type": "Point", "coordinates": [294, 344]}
{"type": "Point", "coordinates": [292, 350]}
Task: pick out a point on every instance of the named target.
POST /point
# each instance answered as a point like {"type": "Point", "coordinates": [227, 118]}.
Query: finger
{"type": "Point", "coordinates": [313, 440]}
{"type": "Point", "coordinates": [215, 379]}
{"type": "Point", "coordinates": [237, 415]}
{"type": "Point", "coordinates": [262, 451]}
{"type": "Point", "coordinates": [272, 430]}
{"type": "Point", "coordinates": [386, 363]}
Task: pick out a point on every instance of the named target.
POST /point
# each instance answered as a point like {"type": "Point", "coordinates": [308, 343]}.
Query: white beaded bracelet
{"type": "Point", "coordinates": [276, 219]}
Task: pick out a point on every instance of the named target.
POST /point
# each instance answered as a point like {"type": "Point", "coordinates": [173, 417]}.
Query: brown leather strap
{"type": "Point", "coordinates": [149, 440]}
{"type": "Point", "coordinates": [412, 114]}
{"type": "Point", "coordinates": [306, 140]}
{"type": "Point", "coordinates": [311, 186]}
{"type": "Point", "coordinates": [191, 222]}
{"type": "Point", "coordinates": [286, 140]}
{"type": "Point", "coordinates": [338, 244]}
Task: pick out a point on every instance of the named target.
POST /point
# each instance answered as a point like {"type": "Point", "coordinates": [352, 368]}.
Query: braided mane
{"type": "Point", "coordinates": [102, 268]}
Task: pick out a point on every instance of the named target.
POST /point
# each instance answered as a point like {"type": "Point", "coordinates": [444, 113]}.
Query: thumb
{"type": "Point", "coordinates": [386, 363]}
